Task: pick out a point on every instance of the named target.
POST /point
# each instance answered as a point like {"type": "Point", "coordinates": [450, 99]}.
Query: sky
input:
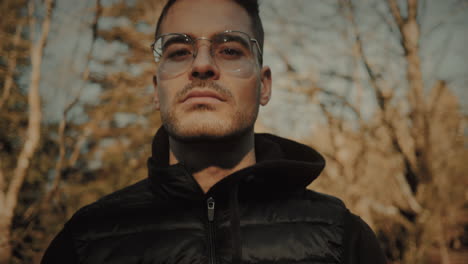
{"type": "Point", "coordinates": [303, 30]}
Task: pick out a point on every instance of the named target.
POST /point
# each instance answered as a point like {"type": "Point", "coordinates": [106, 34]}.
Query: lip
{"type": "Point", "coordinates": [203, 94]}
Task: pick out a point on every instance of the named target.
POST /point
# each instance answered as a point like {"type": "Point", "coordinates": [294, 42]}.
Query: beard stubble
{"type": "Point", "coordinates": [238, 124]}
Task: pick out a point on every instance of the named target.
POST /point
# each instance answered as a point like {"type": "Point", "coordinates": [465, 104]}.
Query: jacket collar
{"type": "Point", "coordinates": [282, 166]}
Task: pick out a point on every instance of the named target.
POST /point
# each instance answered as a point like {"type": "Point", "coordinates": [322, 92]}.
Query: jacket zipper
{"type": "Point", "coordinates": [211, 236]}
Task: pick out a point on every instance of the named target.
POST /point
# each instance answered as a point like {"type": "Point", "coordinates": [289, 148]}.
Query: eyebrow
{"type": "Point", "coordinates": [234, 38]}
{"type": "Point", "coordinates": [174, 39]}
{"type": "Point", "coordinates": [178, 39]}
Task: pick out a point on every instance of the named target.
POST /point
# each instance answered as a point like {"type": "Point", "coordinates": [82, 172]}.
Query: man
{"type": "Point", "coordinates": [216, 192]}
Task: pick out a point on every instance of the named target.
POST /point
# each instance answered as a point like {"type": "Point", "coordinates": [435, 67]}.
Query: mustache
{"type": "Point", "coordinates": [224, 92]}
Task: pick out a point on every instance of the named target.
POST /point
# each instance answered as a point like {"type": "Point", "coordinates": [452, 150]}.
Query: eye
{"type": "Point", "coordinates": [179, 54]}
{"type": "Point", "coordinates": [231, 53]}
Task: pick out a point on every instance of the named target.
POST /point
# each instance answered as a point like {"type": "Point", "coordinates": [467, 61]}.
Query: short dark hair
{"type": "Point", "coordinates": [252, 8]}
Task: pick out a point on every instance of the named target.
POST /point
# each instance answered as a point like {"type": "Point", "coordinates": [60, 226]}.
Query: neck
{"type": "Point", "coordinates": [211, 161]}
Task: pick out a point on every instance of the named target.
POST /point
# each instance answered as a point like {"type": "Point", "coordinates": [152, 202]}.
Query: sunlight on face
{"type": "Point", "coordinates": [221, 105]}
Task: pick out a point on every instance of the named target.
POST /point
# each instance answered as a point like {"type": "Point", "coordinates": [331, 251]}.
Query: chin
{"type": "Point", "coordinates": [190, 129]}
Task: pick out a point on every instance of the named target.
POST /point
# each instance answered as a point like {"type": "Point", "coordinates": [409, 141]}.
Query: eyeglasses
{"type": "Point", "coordinates": [231, 50]}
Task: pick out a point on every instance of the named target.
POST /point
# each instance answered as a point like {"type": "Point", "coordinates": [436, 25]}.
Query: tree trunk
{"type": "Point", "coordinates": [410, 32]}
{"type": "Point", "coordinates": [9, 197]}
{"type": "Point", "coordinates": [5, 234]}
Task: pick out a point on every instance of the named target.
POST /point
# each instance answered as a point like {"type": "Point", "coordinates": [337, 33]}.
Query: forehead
{"type": "Point", "coordinates": [206, 17]}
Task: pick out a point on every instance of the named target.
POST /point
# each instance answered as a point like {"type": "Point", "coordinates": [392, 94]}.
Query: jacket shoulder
{"type": "Point", "coordinates": [132, 197]}
{"type": "Point", "coordinates": [324, 198]}
{"type": "Point", "coordinates": [359, 241]}
{"type": "Point", "coordinates": [324, 207]}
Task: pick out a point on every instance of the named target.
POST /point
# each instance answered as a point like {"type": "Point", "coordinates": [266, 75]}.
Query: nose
{"type": "Point", "coordinates": [204, 67]}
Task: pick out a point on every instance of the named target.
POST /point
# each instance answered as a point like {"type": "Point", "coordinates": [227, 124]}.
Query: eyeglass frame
{"type": "Point", "coordinates": [156, 54]}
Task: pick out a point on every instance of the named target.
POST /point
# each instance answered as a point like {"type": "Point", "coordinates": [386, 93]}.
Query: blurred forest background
{"type": "Point", "coordinates": [377, 86]}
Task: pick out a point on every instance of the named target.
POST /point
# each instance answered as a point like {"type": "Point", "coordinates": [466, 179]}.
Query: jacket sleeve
{"type": "Point", "coordinates": [60, 250]}
{"type": "Point", "coordinates": [361, 244]}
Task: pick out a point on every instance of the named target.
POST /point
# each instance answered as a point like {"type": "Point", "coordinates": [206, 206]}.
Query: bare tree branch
{"type": "Point", "coordinates": [373, 76]}
{"type": "Point", "coordinates": [32, 21]}
{"type": "Point", "coordinates": [289, 67]}
{"type": "Point", "coordinates": [407, 192]}
{"type": "Point", "coordinates": [11, 66]}
{"type": "Point", "coordinates": [410, 32]}
{"type": "Point", "coordinates": [312, 90]}
{"type": "Point", "coordinates": [388, 22]}
{"type": "Point", "coordinates": [389, 211]}
{"type": "Point", "coordinates": [442, 241]}
{"type": "Point", "coordinates": [35, 112]}
{"type": "Point", "coordinates": [2, 185]}
{"type": "Point", "coordinates": [63, 122]}
{"type": "Point", "coordinates": [382, 99]}
{"type": "Point", "coordinates": [33, 210]}
{"type": "Point", "coordinates": [395, 11]}
{"type": "Point", "coordinates": [32, 136]}
{"type": "Point", "coordinates": [412, 6]}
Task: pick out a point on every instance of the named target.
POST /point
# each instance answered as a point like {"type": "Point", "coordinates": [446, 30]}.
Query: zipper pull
{"type": "Point", "coordinates": [211, 206]}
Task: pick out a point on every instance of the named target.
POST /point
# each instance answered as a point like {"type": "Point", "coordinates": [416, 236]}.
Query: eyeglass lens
{"type": "Point", "coordinates": [232, 52]}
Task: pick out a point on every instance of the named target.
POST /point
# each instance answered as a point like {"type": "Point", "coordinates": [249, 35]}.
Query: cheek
{"type": "Point", "coordinates": [249, 94]}
{"type": "Point", "coordinates": [166, 96]}
{"type": "Point", "coordinates": [162, 98]}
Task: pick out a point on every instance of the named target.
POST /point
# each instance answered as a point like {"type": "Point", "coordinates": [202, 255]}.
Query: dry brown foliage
{"type": "Point", "coordinates": [403, 169]}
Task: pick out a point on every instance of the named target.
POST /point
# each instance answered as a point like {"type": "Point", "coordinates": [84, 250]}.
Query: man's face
{"type": "Point", "coordinates": [206, 101]}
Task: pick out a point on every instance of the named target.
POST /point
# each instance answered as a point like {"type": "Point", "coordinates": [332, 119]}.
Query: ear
{"type": "Point", "coordinates": [265, 89]}
{"type": "Point", "coordinates": [156, 93]}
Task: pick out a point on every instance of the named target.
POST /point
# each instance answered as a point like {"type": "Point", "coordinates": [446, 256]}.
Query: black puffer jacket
{"type": "Point", "coordinates": [261, 214]}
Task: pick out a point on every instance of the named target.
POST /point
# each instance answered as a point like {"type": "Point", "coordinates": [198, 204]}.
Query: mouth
{"type": "Point", "coordinates": [203, 95]}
